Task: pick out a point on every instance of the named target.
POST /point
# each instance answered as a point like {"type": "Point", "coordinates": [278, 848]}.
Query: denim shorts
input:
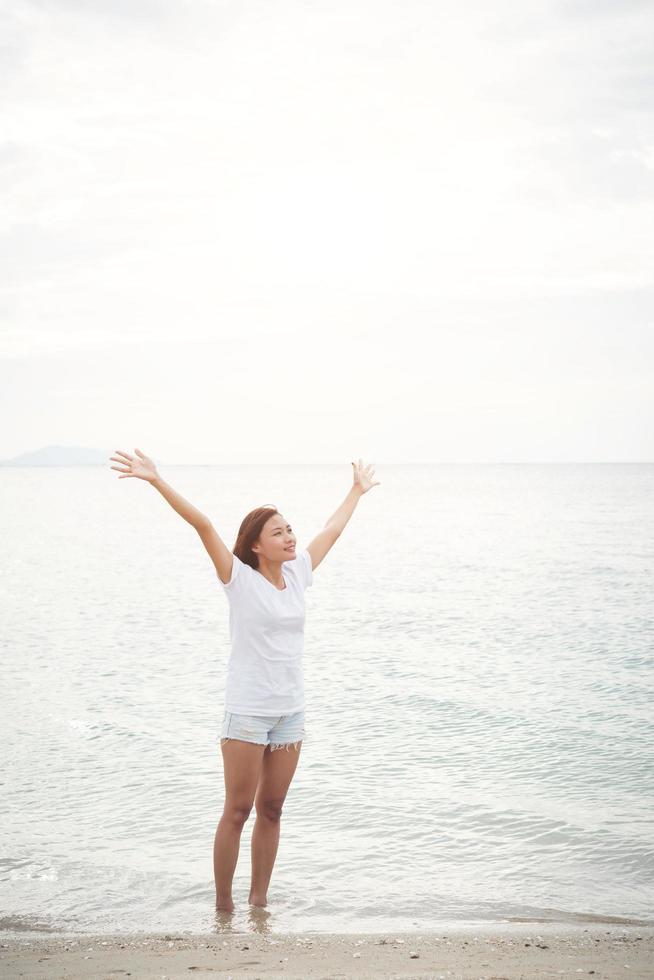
{"type": "Point", "coordinates": [277, 731]}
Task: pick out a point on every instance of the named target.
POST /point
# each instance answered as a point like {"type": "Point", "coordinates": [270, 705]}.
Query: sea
{"type": "Point", "coordinates": [478, 658]}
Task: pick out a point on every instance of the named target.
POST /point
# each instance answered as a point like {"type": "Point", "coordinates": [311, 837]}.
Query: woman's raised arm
{"type": "Point", "coordinates": [143, 468]}
{"type": "Point", "coordinates": [325, 539]}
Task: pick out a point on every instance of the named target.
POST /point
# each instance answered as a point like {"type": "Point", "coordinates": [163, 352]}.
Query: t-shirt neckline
{"type": "Point", "coordinates": [270, 583]}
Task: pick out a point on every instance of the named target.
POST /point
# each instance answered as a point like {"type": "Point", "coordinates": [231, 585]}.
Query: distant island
{"type": "Point", "coordinates": [61, 456]}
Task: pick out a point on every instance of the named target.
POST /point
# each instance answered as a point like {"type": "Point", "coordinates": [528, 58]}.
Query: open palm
{"type": "Point", "coordinates": [139, 466]}
{"type": "Point", "coordinates": [363, 476]}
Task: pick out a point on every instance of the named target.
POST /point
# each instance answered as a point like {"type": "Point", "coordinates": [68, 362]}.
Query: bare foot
{"type": "Point", "coordinates": [258, 900]}
{"type": "Point", "coordinates": [224, 905]}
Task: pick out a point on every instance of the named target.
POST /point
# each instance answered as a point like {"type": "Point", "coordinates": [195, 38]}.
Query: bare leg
{"type": "Point", "coordinates": [242, 765]}
{"type": "Point", "coordinates": [277, 770]}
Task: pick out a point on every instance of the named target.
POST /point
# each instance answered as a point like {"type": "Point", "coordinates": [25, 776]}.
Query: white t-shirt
{"type": "Point", "coordinates": [266, 628]}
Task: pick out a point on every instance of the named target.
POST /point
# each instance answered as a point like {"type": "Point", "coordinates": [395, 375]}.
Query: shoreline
{"type": "Point", "coordinates": [494, 951]}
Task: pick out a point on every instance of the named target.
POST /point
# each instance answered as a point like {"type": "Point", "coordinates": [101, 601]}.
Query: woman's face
{"type": "Point", "coordinates": [276, 541]}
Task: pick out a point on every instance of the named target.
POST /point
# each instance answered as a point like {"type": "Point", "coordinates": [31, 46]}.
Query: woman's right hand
{"type": "Point", "coordinates": [143, 468]}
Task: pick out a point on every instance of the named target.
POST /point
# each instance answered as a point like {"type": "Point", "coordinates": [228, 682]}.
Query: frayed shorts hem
{"type": "Point", "coordinates": [273, 746]}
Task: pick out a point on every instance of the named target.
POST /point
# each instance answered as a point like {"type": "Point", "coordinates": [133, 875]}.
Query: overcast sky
{"type": "Point", "coordinates": [313, 230]}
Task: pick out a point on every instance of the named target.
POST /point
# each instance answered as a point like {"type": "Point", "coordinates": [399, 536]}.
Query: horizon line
{"type": "Point", "coordinates": [551, 462]}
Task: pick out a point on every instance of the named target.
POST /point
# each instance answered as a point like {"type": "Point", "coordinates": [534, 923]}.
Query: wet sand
{"type": "Point", "coordinates": [497, 951]}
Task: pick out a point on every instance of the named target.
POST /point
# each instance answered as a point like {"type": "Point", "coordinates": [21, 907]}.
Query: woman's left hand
{"type": "Point", "coordinates": [363, 476]}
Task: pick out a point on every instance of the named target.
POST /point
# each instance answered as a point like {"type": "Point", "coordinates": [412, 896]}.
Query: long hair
{"type": "Point", "coordinates": [248, 534]}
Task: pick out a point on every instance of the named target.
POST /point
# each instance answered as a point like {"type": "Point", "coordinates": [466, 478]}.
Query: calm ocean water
{"type": "Point", "coordinates": [478, 663]}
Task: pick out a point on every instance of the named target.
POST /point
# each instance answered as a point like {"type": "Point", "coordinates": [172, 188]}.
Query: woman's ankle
{"type": "Point", "coordinates": [225, 903]}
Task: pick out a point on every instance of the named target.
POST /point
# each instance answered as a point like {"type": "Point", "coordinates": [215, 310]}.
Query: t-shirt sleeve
{"type": "Point", "coordinates": [304, 570]}
{"type": "Point", "coordinates": [238, 580]}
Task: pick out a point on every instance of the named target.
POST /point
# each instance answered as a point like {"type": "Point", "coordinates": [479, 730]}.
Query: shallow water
{"type": "Point", "coordinates": [478, 663]}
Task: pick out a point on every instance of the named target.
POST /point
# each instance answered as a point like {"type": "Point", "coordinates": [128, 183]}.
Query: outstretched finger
{"type": "Point", "coordinates": [138, 451]}
{"type": "Point", "coordinates": [126, 455]}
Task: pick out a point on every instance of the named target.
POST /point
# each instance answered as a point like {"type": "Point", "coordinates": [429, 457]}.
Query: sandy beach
{"type": "Point", "coordinates": [512, 951]}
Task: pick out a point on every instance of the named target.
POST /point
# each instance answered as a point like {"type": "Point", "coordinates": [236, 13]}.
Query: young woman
{"type": "Point", "coordinates": [264, 579]}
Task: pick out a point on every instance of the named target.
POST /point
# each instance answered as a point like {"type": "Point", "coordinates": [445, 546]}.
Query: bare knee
{"type": "Point", "coordinates": [270, 809]}
{"type": "Point", "coordinates": [236, 814]}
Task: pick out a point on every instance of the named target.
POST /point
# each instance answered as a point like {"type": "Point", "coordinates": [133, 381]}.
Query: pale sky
{"type": "Point", "coordinates": [313, 230]}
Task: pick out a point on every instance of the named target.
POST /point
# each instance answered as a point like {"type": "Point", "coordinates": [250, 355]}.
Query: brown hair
{"type": "Point", "coordinates": [248, 534]}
